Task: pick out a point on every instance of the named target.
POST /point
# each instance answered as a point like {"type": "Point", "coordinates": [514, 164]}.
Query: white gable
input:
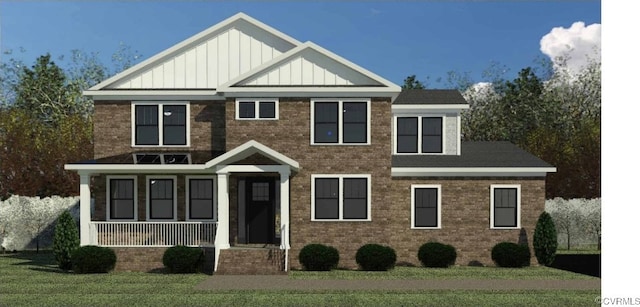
{"type": "Point", "coordinates": [309, 68]}
{"type": "Point", "coordinates": [208, 59]}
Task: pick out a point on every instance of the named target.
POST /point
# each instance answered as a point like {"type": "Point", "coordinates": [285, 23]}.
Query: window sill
{"type": "Point", "coordinates": [426, 228]}
{"type": "Point", "coordinates": [160, 146]}
{"type": "Point", "coordinates": [505, 228]}
{"type": "Point", "coordinates": [340, 144]}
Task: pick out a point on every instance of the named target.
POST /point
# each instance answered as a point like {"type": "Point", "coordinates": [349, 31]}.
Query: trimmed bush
{"type": "Point", "coordinates": [183, 259]}
{"type": "Point", "coordinates": [375, 257]}
{"type": "Point", "coordinates": [545, 240]}
{"type": "Point", "coordinates": [437, 255]}
{"type": "Point", "coordinates": [93, 259]}
{"type": "Point", "coordinates": [319, 257]}
{"type": "Point", "coordinates": [65, 240]}
{"type": "Point", "coordinates": [511, 255]}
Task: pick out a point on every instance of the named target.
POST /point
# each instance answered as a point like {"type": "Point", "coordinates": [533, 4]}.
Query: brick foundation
{"type": "Point", "coordinates": [139, 259]}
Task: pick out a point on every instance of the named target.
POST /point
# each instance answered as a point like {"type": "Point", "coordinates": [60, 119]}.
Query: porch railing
{"type": "Point", "coordinates": [152, 234]}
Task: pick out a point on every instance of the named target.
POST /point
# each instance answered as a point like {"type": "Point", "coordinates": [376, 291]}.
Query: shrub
{"type": "Point", "coordinates": [375, 257]}
{"type": "Point", "coordinates": [93, 259]}
{"type": "Point", "coordinates": [183, 259]}
{"type": "Point", "coordinates": [437, 255]}
{"type": "Point", "coordinates": [510, 255]}
{"type": "Point", "coordinates": [545, 239]}
{"type": "Point", "coordinates": [319, 257]}
{"type": "Point", "coordinates": [65, 240]}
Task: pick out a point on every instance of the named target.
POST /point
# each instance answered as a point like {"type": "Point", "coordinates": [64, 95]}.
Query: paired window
{"type": "Point", "coordinates": [161, 198]}
{"type": "Point", "coordinates": [256, 109]}
{"type": "Point", "coordinates": [419, 134]}
{"type": "Point", "coordinates": [121, 198]}
{"type": "Point", "coordinates": [340, 122]}
{"type": "Point", "coordinates": [201, 200]}
{"type": "Point", "coordinates": [160, 124]}
{"type": "Point", "coordinates": [505, 206]}
{"type": "Point", "coordinates": [168, 158]}
{"type": "Point", "coordinates": [340, 197]}
{"type": "Point", "coordinates": [426, 205]}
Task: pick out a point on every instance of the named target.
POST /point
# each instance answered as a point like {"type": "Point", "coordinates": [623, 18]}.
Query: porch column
{"type": "Point", "coordinates": [85, 209]}
{"type": "Point", "coordinates": [222, 231]}
{"type": "Point", "coordinates": [284, 207]}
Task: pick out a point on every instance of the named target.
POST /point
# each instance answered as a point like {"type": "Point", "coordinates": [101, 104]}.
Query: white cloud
{"type": "Point", "coordinates": [480, 91]}
{"type": "Point", "coordinates": [576, 44]}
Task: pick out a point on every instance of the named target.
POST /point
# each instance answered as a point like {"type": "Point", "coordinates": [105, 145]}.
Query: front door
{"type": "Point", "coordinates": [260, 207]}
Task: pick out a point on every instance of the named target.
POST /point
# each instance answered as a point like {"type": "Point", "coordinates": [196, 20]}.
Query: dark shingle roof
{"type": "Point", "coordinates": [415, 96]}
{"type": "Point", "coordinates": [474, 154]}
{"type": "Point", "coordinates": [196, 157]}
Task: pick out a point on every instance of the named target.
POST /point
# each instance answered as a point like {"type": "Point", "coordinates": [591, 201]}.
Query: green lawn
{"type": "Point", "coordinates": [28, 279]}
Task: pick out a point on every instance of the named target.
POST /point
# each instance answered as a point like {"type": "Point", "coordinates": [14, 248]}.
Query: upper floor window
{"type": "Point", "coordinates": [160, 124]}
{"type": "Point", "coordinates": [419, 134]}
{"type": "Point", "coordinates": [257, 109]}
{"type": "Point", "coordinates": [340, 121]}
{"type": "Point", "coordinates": [505, 206]}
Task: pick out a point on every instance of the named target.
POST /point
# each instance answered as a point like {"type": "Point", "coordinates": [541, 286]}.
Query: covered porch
{"type": "Point", "coordinates": [237, 197]}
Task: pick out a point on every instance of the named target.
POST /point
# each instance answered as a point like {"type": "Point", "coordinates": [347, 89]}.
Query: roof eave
{"type": "Point", "coordinates": [471, 171]}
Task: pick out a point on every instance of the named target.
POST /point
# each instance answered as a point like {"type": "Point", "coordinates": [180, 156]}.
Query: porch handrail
{"type": "Point", "coordinates": [153, 233]}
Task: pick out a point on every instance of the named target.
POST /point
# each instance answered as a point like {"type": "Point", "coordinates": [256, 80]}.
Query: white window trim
{"type": "Point", "coordinates": [340, 102]}
{"type": "Point", "coordinates": [395, 134]}
{"type": "Point", "coordinates": [160, 105]}
{"type": "Point", "coordinates": [518, 204]}
{"type": "Point", "coordinates": [175, 196]}
{"type": "Point", "coordinates": [340, 178]}
{"type": "Point", "coordinates": [187, 197]}
{"type": "Point", "coordinates": [413, 204]}
{"type": "Point", "coordinates": [135, 198]}
{"type": "Point", "coordinates": [257, 108]}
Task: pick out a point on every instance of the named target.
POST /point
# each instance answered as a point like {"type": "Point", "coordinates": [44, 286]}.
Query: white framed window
{"type": "Point", "coordinates": [162, 202]}
{"type": "Point", "coordinates": [341, 197]}
{"type": "Point", "coordinates": [122, 198]}
{"type": "Point", "coordinates": [341, 121]}
{"type": "Point", "coordinates": [160, 123]}
{"type": "Point", "coordinates": [505, 206]}
{"type": "Point", "coordinates": [201, 200]}
{"type": "Point", "coordinates": [426, 206]}
{"type": "Point", "coordinates": [166, 158]}
{"type": "Point", "coordinates": [423, 134]}
{"type": "Point", "coordinates": [257, 109]}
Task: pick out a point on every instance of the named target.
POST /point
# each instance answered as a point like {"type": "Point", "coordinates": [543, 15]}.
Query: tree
{"type": "Point", "coordinates": [65, 240]}
{"type": "Point", "coordinates": [545, 240]}
{"type": "Point", "coordinates": [410, 82]}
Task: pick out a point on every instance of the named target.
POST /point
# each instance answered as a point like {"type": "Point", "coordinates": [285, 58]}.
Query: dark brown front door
{"type": "Point", "coordinates": [260, 207]}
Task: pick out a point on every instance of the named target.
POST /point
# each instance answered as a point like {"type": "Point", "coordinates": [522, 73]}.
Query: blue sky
{"type": "Point", "coordinates": [392, 39]}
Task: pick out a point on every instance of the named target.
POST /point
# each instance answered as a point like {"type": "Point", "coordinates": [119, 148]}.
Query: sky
{"type": "Point", "coordinates": [391, 39]}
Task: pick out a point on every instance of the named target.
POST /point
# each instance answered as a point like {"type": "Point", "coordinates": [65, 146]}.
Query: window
{"type": "Point", "coordinates": [505, 206]}
{"type": "Point", "coordinates": [340, 122]}
{"type": "Point", "coordinates": [419, 134]}
{"type": "Point", "coordinates": [201, 201]}
{"type": "Point", "coordinates": [340, 197]}
{"type": "Point", "coordinates": [425, 206]}
{"type": "Point", "coordinates": [257, 109]}
{"type": "Point", "coordinates": [160, 124]}
{"type": "Point", "coordinates": [161, 200]}
{"type": "Point", "coordinates": [121, 198]}
{"type": "Point", "coordinates": [169, 158]}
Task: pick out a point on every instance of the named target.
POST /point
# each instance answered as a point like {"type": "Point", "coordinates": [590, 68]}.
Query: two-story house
{"type": "Point", "coordinates": [252, 144]}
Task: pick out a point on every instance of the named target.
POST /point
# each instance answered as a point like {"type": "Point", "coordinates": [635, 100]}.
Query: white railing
{"type": "Point", "coordinates": [152, 234]}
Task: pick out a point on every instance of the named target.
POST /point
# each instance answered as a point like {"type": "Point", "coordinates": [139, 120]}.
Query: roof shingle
{"type": "Point", "coordinates": [421, 96]}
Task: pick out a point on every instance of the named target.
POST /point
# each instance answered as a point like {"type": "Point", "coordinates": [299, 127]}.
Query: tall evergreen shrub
{"type": "Point", "coordinates": [65, 240]}
{"type": "Point", "coordinates": [545, 240]}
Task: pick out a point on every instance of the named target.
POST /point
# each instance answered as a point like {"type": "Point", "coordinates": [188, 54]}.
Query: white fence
{"type": "Point", "coordinates": [152, 234]}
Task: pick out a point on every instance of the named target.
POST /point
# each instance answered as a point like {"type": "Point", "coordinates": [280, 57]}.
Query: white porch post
{"type": "Point", "coordinates": [85, 209]}
{"type": "Point", "coordinates": [284, 207]}
{"type": "Point", "coordinates": [222, 232]}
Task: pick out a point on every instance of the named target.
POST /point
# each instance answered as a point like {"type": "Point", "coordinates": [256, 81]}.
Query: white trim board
{"type": "Point", "coordinates": [471, 171]}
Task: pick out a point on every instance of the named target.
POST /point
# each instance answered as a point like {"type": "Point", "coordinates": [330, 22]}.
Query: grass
{"type": "Point", "coordinates": [578, 252]}
{"type": "Point", "coordinates": [28, 279]}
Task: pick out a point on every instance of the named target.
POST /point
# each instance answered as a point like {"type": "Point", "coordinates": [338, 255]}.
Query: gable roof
{"type": "Point", "coordinates": [308, 65]}
{"type": "Point", "coordinates": [427, 96]}
{"type": "Point", "coordinates": [248, 149]}
{"type": "Point", "coordinates": [205, 60]}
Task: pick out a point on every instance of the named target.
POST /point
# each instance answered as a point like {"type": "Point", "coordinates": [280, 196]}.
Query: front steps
{"type": "Point", "coordinates": [251, 260]}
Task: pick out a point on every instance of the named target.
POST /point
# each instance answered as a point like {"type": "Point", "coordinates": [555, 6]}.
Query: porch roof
{"type": "Point", "coordinates": [178, 161]}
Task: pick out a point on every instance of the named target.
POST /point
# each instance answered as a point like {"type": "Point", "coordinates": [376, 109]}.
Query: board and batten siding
{"type": "Point", "coordinates": [210, 63]}
{"type": "Point", "coordinates": [309, 68]}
